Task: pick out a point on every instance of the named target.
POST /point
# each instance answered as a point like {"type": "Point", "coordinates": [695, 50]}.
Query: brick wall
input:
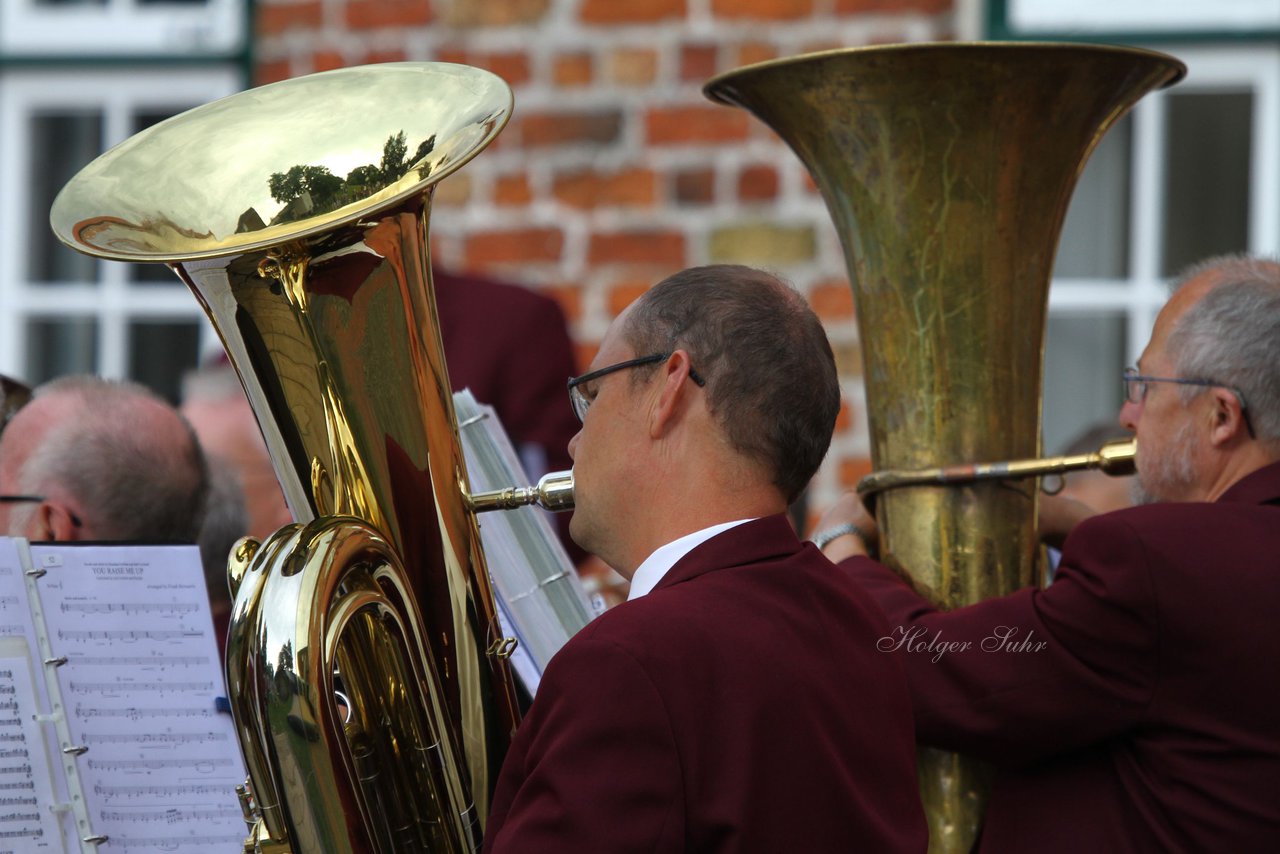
{"type": "Point", "coordinates": [615, 171]}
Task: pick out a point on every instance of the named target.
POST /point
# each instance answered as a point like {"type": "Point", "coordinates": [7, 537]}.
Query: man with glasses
{"type": "Point", "coordinates": [1133, 704]}
{"type": "Point", "coordinates": [736, 702]}
{"type": "Point", "coordinates": [90, 459]}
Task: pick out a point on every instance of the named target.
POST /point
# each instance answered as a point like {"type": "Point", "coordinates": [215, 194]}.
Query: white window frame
{"type": "Point", "coordinates": [1211, 68]}
{"type": "Point", "coordinates": [122, 28]}
{"type": "Point", "coordinates": [112, 300]}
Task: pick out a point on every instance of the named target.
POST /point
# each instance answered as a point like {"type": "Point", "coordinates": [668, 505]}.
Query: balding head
{"type": "Point", "coordinates": [111, 461]}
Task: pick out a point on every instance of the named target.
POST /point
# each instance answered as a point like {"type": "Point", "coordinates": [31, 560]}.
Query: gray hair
{"type": "Point", "coordinates": [1231, 336]}
{"type": "Point", "coordinates": [132, 481]}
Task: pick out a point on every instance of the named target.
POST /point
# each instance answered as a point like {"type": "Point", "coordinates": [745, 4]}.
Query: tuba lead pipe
{"type": "Point", "coordinates": [553, 492]}
{"type": "Point", "coordinates": [1115, 458]}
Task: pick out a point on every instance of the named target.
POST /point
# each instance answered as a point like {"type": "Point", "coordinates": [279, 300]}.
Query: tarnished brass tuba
{"type": "Point", "coordinates": [947, 169]}
{"type": "Point", "coordinates": [370, 709]}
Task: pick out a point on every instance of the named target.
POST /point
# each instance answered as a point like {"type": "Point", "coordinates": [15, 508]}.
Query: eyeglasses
{"type": "Point", "coordinates": [581, 403]}
{"type": "Point", "coordinates": [1135, 390]}
{"type": "Point", "coordinates": [18, 499]}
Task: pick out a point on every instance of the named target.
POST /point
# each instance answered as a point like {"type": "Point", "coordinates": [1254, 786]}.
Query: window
{"type": "Point", "coordinates": [1190, 173]}
{"type": "Point", "coordinates": [79, 28]}
{"type": "Point", "coordinates": [60, 311]}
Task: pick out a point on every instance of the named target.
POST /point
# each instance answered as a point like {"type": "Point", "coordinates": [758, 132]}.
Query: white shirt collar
{"type": "Point", "coordinates": [657, 565]}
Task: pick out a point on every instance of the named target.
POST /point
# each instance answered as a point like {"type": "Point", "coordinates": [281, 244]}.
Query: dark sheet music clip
{"type": "Point", "coordinates": [95, 840]}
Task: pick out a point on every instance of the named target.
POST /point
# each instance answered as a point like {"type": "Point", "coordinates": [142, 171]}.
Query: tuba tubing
{"type": "Point", "coordinates": [370, 711]}
{"type": "Point", "coordinates": [947, 169]}
{"type": "Point", "coordinates": [1115, 458]}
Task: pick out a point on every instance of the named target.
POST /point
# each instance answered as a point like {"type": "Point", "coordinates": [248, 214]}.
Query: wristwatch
{"type": "Point", "coordinates": [822, 538]}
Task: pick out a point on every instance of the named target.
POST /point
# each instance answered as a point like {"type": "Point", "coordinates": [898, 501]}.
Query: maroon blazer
{"type": "Point", "coordinates": [741, 706]}
{"type": "Point", "coordinates": [1134, 705]}
{"type": "Point", "coordinates": [511, 347]}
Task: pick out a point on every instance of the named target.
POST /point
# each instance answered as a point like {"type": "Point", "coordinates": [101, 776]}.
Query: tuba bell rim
{"type": "Point", "coordinates": [719, 88]}
{"type": "Point", "coordinates": [123, 233]}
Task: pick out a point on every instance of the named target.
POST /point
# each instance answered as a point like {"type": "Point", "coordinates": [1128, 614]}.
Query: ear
{"type": "Point", "coordinates": [1228, 418]}
{"type": "Point", "coordinates": [671, 394]}
{"type": "Point", "coordinates": [53, 523]}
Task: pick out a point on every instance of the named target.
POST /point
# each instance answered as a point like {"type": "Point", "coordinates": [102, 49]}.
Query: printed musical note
{"type": "Point", "coordinates": [129, 608]}
{"type": "Point", "coordinates": [117, 688]}
{"type": "Point", "coordinates": [127, 634]}
{"type": "Point", "coordinates": [166, 738]}
{"type": "Point", "coordinates": [199, 790]}
{"type": "Point", "coordinates": [138, 685]}
{"type": "Point", "coordinates": [166, 661]}
{"type": "Point", "coordinates": [203, 766]}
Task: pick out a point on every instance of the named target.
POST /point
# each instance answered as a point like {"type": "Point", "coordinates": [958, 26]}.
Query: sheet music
{"type": "Point", "coordinates": [139, 688]}
{"type": "Point", "coordinates": [540, 597]}
{"type": "Point", "coordinates": [26, 780]}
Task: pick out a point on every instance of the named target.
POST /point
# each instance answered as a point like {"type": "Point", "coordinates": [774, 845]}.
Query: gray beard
{"type": "Point", "coordinates": [1169, 473]}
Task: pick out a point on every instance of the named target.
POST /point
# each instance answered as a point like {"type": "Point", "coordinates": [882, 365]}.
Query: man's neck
{"type": "Point", "coordinates": [694, 512]}
{"type": "Point", "coordinates": [1237, 467]}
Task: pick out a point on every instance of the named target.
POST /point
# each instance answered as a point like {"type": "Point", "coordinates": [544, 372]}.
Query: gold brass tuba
{"type": "Point", "coordinates": [371, 701]}
{"type": "Point", "coordinates": [947, 169]}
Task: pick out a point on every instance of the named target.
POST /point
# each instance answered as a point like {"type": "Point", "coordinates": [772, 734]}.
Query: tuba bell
{"type": "Point", "coordinates": [947, 169]}
{"type": "Point", "coordinates": [364, 660]}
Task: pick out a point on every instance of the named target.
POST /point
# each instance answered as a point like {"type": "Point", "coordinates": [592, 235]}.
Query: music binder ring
{"type": "Point", "coordinates": [94, 640]}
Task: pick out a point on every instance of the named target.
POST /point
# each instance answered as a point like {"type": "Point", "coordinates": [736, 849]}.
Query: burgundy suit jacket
{"type": "Point", "coordinates": [511, 347]}
{"type": "Point", "coordinates": [741, 706]}
{"type": "Point", "coordinates": [1134, 704]}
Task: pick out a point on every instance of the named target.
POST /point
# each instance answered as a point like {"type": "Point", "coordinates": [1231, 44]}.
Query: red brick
{"type": "Point", "coordinates": [572, 69]}
{"type": "Point", "coordinates": [495, 13]}
{"type": "Point", "coordinates": [591, 189]}
{"type": "Point", "coordinates": [278, 17]}
{"type": "Point", "coordinates": [622, 294]}
{"type": "Point", "coordinates": [584, 352]}
{"type": "Point", "coordinates": [844, 418]}
{"type": "Point", "coordinates": [630, 11]}
{"type": "Point", "coordinates": [560, 128]}
{"type": "Point", "coordinates": [659, 248]}
{"type": "Point", "coordinates": [762, 10]}
{"type": "Point", "coordinates": [820, 45]}
{"type": "Point", "coordinates": [832, 301]}
{"type": "Point", "coordinates": [512, 190]}
{"type": "Point", "coordinates": [860, 7]}
{"type": "Point", "coordinates": [695, 187]}
{"type": "Point", "coordinates": [696, 124]}
{"type": "Point", "coordinates": [272, 71]}
{"type": "Point", "coordinates": [749, 53]}
{"type": "Point", "coordinates": [384, 55]}
{"type": "Point", "coordinates": [570, 299]}
{"type": "Point", "coordinates": [698, 61]}
{"type": "Point", "coordinates": [854, 470]}
{"type": "Point", "coordinates": [369, 14]}
{"type": "Point", "coordinates": [758, 183]}
{"type": "Point", "coordinates": [452, 54]}
{"type": "Point", "coordinates": [327, 60]}
{"type": "Point", "coordinates": [453, 191]}
{"type": "Point", "coordinates": [514, 246]}
{"type": "Point", "coordinates": [511, 66]}
{"type": "Point", "coordinates": [633, 66]}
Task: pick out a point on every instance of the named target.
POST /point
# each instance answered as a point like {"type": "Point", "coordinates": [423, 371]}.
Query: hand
{"type": "Point", "coordinates": [848, 509]}
{"type": "Point", "coordinates": [1058, 516]}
